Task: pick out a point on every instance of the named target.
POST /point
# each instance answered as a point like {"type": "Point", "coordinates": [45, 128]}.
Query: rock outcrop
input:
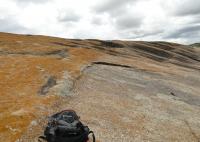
{"type": "Point", "coordinates": [124, 90]}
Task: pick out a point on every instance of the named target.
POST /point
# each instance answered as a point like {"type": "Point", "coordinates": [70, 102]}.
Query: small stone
{"type": "Point", "coordinates": [34, 123]}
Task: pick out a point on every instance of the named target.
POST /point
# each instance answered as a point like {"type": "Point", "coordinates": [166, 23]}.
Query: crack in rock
{"type": "Point", "coordinates": [111, 64]}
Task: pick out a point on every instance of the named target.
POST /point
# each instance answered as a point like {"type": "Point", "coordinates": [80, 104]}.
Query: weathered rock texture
{"type": "Point", "coordinates": [126, 91]}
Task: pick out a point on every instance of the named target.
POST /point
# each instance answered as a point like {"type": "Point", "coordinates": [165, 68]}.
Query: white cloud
{"type": "Point", "coordinates": [171, 20]}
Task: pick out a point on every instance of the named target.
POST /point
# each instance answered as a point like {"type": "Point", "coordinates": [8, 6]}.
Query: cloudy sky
{"type": "Point", "coordinates": [169, 20]}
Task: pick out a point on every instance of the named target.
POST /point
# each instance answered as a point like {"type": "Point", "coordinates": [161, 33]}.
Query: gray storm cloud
{"type": "Point", "coordinates": [128, 22]}
{"type": "Point", "coordinates": [187, 8]}
{"type": "Point", "coordinates": [68, 16]}
{"type": "Point", "coordinates": [112, 5]}
{"type": "Point", "coordinates": [185, 32]}
{"type": "Point", "coordinates": [171, 20]}
{"type": "Point", "coordinates": [10, 25]}
{"type": "Point", "coordinates": [31, 1]}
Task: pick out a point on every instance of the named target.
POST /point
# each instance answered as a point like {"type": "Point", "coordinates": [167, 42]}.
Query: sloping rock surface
{"type": "Point", "coordinates": [125, 91]}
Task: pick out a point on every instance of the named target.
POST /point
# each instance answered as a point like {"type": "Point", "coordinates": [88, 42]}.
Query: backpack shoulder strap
{"type": "Point", "coordinates": [42, 138]}
{"type": "Point", "coordinates": [93, 136]}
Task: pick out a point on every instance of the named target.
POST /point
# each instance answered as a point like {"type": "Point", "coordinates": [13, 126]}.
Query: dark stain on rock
{"type": "Point", "coordinates": [189, 55]}
{"type": "Point", "coordinates": [48, 85]}
{"type": "Point", "coordinates": [111, 44]}
{"type": "Point", "coordinates": [60, 43]}
{"type": "Point", "coordinates": [60, 53]}
{"type": "Point", "coordinates": [152, 50]}
{"type": "Point", "coordinates": [105, 43]}
{"type": "Point", "coordinates": [162, 45]}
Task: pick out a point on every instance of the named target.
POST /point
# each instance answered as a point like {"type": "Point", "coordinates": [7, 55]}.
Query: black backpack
{"type": "Point", "coordinates": [66, 127]}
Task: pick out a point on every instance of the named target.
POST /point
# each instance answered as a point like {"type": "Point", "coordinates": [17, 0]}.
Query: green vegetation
{"type": "Point", "coordinates": [195, 45]}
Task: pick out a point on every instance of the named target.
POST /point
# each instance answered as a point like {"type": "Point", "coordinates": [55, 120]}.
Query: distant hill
{"type": "Point", "coordinates": [195, 45]}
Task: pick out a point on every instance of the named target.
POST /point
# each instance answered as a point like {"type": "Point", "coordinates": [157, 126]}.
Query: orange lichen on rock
{"type": "Point", "coordinates": [23, 74]}
{"type": "Point", "coordinates": [130, 90]}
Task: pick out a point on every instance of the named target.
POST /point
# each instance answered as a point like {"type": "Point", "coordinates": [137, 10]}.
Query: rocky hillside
{"type": "Point", "coordinates": [125, 91]}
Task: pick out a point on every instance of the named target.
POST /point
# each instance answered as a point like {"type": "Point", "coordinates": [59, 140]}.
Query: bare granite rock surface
{"type": "Point", "coordinates": [125, 91]}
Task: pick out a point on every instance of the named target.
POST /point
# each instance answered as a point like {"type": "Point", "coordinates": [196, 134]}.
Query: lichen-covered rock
{"type": "Point", "coordinates": [124, 90]}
